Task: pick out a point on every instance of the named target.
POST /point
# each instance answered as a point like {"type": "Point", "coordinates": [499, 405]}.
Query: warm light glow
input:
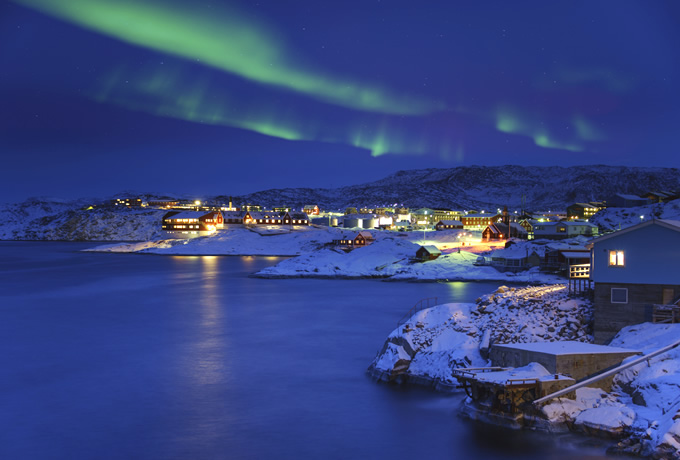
{"type": "Point", "coordinates": [616, 258]}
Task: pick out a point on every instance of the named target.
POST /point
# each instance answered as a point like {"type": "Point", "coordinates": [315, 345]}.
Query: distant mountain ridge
{"type": "Point", "coordinates": [462, 188]}
{"type": "Point", "coordinates": [480, 187]}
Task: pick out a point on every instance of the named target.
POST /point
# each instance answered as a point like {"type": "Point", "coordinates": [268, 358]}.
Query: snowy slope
{"type": "Point", "coordinates": [620, 218]}
{"type": "Point", "coordinates": [52, 220]}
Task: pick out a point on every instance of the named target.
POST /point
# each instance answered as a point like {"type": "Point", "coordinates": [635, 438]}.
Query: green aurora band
{"type": "Point", "coordinates": [509, 121]}
{"type": "Point", "coordinates": [165, 92]}
{"type": "Point", "coordinates": [235, 43]}
{"type": "Point", "coordinates": [229, 41]}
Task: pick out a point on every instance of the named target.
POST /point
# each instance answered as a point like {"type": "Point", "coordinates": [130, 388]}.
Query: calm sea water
{"type": "Point", "coordinates": [152, 357]}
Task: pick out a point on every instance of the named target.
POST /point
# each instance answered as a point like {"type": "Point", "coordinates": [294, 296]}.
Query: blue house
{"type": "Point", "coordinates": [633, 270]}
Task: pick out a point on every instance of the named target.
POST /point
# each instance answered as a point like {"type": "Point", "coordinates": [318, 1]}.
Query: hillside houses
{"type": "Point", "coordinates": [584, 211]}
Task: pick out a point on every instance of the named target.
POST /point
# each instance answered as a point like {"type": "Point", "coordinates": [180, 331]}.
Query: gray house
{"type": "Point", "coordinates": [633, 270]}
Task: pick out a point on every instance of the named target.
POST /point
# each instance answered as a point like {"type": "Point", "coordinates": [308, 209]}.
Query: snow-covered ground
{"type": "Point", "coordinates": [389, 256]}
{"type": "Point", "coordinates": [645, 399]}
{"type": "Point", "coordinates": [237, 240]}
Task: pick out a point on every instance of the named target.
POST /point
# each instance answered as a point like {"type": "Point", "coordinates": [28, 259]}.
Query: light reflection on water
{"type": "Point", "coordinates": [125, 356]}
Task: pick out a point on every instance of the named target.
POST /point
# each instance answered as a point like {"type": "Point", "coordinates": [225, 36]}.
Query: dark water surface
{"type": "Point", "coordinates": [138, 356]}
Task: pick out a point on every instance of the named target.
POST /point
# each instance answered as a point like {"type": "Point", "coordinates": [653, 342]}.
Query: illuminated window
{"type": "Point", "coordinates": [619, 295]}
{"type": "Point", "coordinates": [616, 258]}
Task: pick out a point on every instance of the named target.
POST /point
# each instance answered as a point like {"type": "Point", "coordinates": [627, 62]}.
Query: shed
{"type": "Point", "coordinates": [428, 252]}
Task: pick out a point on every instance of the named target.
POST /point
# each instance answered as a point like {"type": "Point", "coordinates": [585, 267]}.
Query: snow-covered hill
{"type": "Point", "coordinates": [484, 187]}
{"type": "Point", "coordinates": [36, 219]}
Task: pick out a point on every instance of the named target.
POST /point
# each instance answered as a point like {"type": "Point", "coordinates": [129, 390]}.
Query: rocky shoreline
{"type": "Point", "coordinates": [424, 351]}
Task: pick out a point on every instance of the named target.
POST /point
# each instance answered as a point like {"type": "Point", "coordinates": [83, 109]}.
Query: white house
{"type": "Point", "coordinates": [633, 270]}
{"type": "Point", "coordinates": [563, 229]}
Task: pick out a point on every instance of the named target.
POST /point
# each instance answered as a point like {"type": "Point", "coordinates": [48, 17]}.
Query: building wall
{"type": "Point", "coordinates": [610, 318]}
{"type": "Point", "coordinates": [651, 256]}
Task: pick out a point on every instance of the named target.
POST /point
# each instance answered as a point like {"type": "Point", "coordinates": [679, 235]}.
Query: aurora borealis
{"type": "Point", "coordinates": [330, 94]}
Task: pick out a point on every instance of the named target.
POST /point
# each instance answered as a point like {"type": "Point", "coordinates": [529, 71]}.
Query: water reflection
{"type": "Point", "coordinates": [208, 353]}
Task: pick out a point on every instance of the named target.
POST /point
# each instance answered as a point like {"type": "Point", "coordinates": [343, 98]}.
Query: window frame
{"type": "Point", "coordinates": [611, 295]}
{"type": "Point", "coordinates": [618, 256]}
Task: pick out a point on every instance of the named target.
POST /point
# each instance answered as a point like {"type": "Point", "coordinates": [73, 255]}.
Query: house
{"type": "Point", "coordinates": [357, 240]}
{"type": "Point", "coordinates": [582, 211]}
{"type": "Point", "coordinates": [190, 224]}
{"type": "Point", "coordinates": [128, 202]}
{"type": "Point", "coordinates": [448, 225]}
{"type": "Point", "coordinates": [633, 270]}
{"type": "Point", "coordinates": [558, 257]}
{"type": "Point", "coordinates": [263, 218]}
{"type": "Point", "coordinates": [401, 225]}
{"type": "Point", "coordinates": [428, 252]}
{"type": "Point", "coordinates": [233, 217]}
{"type": "Point", "coordinates": [514, 259]}
{"type": "Point", "coordinates": [446, 214]}
{"type": "Point", "coordinates": [501, 231]}
{"type": "Point", "coordinates": [564, 229]}
{"type": "Point", "coordinates": [661, 196]}
{"type": "Point", "coordinates": [295, 218]}
{"type": "Point", "coordinates": [163, 203]}
{"type": "Point", "coordinates": [479, 221]}
{"type": "Point", "coordinates": [528, 225]}
{"type": "Point", "coordinates": [622, 200]}
{"type": "Point", "coordinates": [423, 217]}
{"type": "Point", "coordinates": [311, 210]}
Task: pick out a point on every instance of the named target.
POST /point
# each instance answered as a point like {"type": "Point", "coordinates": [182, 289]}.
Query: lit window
{"type": "Point", "coordinates": [619, 295]}
{"type": "Point", "coordinates": [616, 258]}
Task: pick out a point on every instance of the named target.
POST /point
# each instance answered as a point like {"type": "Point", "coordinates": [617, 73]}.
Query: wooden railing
{"type": "Point", "coordinates": [666, 314]}
{"type": "Point", "coordinates": [579, 271]}
{"type": "Point", "coordinates": [420, 305]}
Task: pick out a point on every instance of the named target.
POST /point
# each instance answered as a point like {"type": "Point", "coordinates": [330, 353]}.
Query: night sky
{"type": "Point", "coordinates": [216, 97]}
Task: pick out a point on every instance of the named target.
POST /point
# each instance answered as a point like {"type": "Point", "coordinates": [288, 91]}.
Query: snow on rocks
{"type": "Point", "coordinates": [645, 402]}
{"type": "Point", "coordinates": [454, 335]}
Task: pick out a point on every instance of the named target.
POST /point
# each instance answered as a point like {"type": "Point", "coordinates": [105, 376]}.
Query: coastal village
{"type": "Point", "coordinates": [552, 355]}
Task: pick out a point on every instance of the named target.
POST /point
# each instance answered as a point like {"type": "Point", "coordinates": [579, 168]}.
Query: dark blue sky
{"type": "Point", "coordinates": [201, 97]}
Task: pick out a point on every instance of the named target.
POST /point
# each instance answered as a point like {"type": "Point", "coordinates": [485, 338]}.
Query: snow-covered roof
{"type": "Point", "coordinates": [450, 222]}
{"type": "Point", "coordinates": [669, 224]}
{"type": "Point", "coordinates": [565, 348]}
{"type": "Point", "coordinates": [630, 197]}
{"type": "Point", "coordinates": [431, 249]}
{"type": "Point", "coordinates": [190, 215]}
{"type": "Point", "coordinates": [487, 215]}
{"type": "Point", "coordinates": [576, 255]}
